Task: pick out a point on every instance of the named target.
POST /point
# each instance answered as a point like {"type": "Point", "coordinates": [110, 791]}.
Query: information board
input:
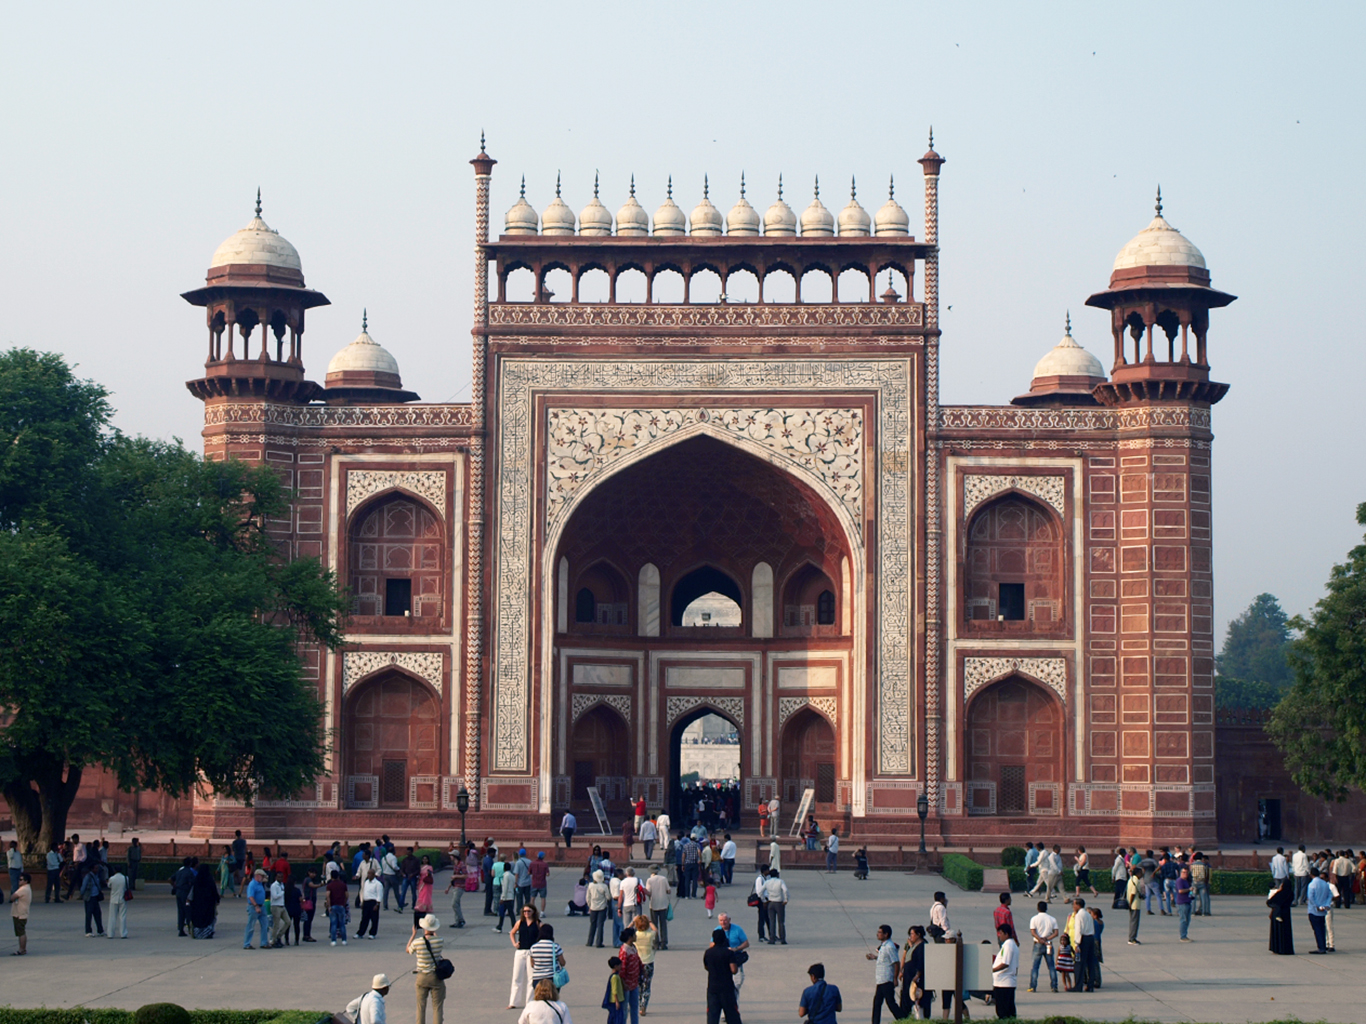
{"type": "Point", "coordinates": [803, 809]}
{"type": "Point", "coordinates": [595, 798]}
{"type": "Point", "coordinates": [939, 966]}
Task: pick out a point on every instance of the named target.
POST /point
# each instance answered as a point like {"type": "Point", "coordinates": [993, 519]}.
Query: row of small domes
{"type": "Point", "coordinates": [706, 221]}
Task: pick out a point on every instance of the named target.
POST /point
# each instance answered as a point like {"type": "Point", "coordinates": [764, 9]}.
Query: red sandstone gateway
{"type": "Point", "coordinates": [1007, 607]}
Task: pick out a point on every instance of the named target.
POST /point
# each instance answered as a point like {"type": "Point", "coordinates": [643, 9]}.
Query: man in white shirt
{"type": "Point", "coordinates": [832, 850]}
{"type": "Point", "coordinates": [775, 897]}
{"type": "Point", "coordinates": [664, 824]}
{"type": "Point", "coordinates": [728, 859]}
{"type": "Point", "coordinates": [1004, 970]}
{"type": "Point", "coordinates": [118, 906]}
{"type": "Point", "coordinates": [1088, 967]}
{"type": "Point", "coordinates": [658, 890]}
{"type": "Point", "coordinates": [1043, 929]}
{"type": "Point", "coordinates": [279, 920]}
{"type": "Point", "coordinates": [1119, 876]}
{"type": "Point", "coordinates": [369, 1008]}
{"type": "Point", "coordinates": [390, 877]}
{"type": "Point", "coordinates": [1299, 867]}
{"type": "Point", "coordinates": [1051, 871]}
{"type": "Point", "coordinates": [614, 887]}
{"type": "Point", "coordinates": [884, 974]}
{"type": "Point", "coordinates": [629, 896]}
{"type": "Point", "coordinates": [773, 816]}
{"type": "Point", "coordinates": [775, 856]}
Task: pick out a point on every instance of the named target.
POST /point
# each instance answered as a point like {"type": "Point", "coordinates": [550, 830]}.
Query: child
{"type": "Point", "coordinates": [1066, 962]}
{"type": "Point", "coordinates": [711, 897]}
{"type": "Point", "coordinates": [614, 999]}
{"type": "Point", "coordinates": [861, 863]}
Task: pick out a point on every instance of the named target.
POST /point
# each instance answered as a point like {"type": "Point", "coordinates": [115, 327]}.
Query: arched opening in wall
{"type": "Point", "coordinates": [705, 758]}
{"type": "Point", "coordinates": [668, 287]}
{"type": "Point", "coordinates": [594, 285]}
{"type": "Point", "coordinates": [808, 761]}
{"type": "Point", "coordinates": [1013, 573]}
{"type": "Point", "coordinates": [559, 285]}
{"type": "Point", "coordinates": [893, 280]}
{"type": "Point", "coordinates": [742, 286]}
{"type": "Point", "coordinates": [702, 591]}
{"type": "Point", "coordinates": [599, 755]}
{"type": "Point", "coordinates": [810, 605]}
{"type": "Point", "coordinates": [602, 600]}
{"type": "Point", "coordinates": [1014, 750]}
{"type": "Point", "coordinates": [631, 285]}
{"type": "Point", "coordinates": [392, 732]}
{"type": "Point", "coordinates": [521, 286]}
{"type": "Point", "coordinates": [396, 563]}
{"type": "Point", "coordinates": [780, 286]}
{"type": "Point", "coordinates": [705, 286]}
{"type": "Point", "coordinates": [853, 285]}
{"type": "Point", "coordinates": [817, 286]}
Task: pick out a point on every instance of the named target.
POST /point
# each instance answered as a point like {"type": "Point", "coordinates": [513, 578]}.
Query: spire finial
{"type": "Point", "coordinates": [258, 200]}
{"type": "Point", "coordinates": [742, 184]}
{"type": "Point", "coordinates": [1068, 331]}
{"type": "Point", "coordinates": [557, 184]}
{"type": "Point", "coordinates": [595, 184]}
{"type": "Point", "coordinates": [931, 136]}
{"type": "Point", "coordinates": [523, 186]}
{"type": "Point", "coordinates": [891, 187]}
{"type": "Point", "coordinates": [633, 186]}
{"type": "Point", "coordinates": [481, 140]}
{"type": "Point", "coordinates": [780, 187]}
{"type": "Point", "coordinates": [364, 321]}
{"type": "Point", "coordinates": [1159, 200]}
{"type": "Point", "coordinates": [818, 187]}
{"type": "Point", "coordinates": [671, 188]}
{"type": "Point", "coordinates": [706, 188]}
{"type": "Point", "coordinates": [853, 188]}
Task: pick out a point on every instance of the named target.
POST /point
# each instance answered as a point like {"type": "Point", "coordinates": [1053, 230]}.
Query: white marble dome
{"type": "Point", "coordinates": [817, 221]}
{"type": "Point", "coordinates": [779, 218]}
{"type": "Point", "coordinates": [706, 218]}
{"type": "Point", "coordinates": [632, 220]}
{"type": "Point", "coordinates": [521, 219]}
{"type": "Point", "coordinates": [595, 219]}
{"type": "Point", "coordinates": [557, 218]}
{"type": "Point", "coordinates": [257, 244]}
{"type": "Point", "coordinates": [364, 355]}
{"type": "Point", "coordinates": [891, 219]}
{"type": "Point", "coordinates": [669, 219]}
{"type": "Point", "coordinates": [743, 219]}
{"type": "Point", "coordinates": [1068, 359]}
{"type": "Point", "coordinates": [854, 219]}
{"type": "Point", "coordinates": [1159, 245]}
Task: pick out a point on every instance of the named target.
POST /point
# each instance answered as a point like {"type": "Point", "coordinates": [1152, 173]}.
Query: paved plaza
{"type": "Point", "coordinates": [1226, 974]}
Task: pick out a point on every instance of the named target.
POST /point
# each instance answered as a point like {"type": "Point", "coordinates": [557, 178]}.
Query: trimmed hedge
{"type": "Point", "coordinates": [1239, 883]}
{"type": "Point", "coordinates": [1012, 857]}
{"type": "Point", "coordinates": [161, 1013]}
{"type": "Point", "coordinates": [9, 1015]}
{"type": "Point", "coordinates": [958, 869]}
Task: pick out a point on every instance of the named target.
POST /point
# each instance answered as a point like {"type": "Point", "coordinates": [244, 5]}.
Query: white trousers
{"type": "Point", "coordinates": [117, 925]}
{"type": "Point", "coordinates": [521, 978]}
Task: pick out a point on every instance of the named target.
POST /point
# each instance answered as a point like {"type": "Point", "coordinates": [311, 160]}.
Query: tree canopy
{"type": "Point", "coordinates": [148, 623]}
{"type": "Point", "coordinates": [1254, 671]}
{"type": "Point", "coordinates": [1320, 725]}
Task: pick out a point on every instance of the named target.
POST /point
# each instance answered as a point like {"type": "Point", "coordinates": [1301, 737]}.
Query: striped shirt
{"type": "Point", "coordinates": [545, 959]}
{"type": "Point", "coordinates": [426, 958]}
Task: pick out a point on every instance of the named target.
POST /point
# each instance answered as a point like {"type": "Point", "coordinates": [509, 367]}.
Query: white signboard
{"type": "Point", "coordinates": [595, 798]}
{"type": "Point", "coordinates": [939, 966]}
{"type": "Point", "coordinates": [803, 809]}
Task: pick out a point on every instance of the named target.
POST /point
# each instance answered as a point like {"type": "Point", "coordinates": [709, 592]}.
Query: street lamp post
{"type": "Point", "coordinates": [462, 804]}
{"type": "Point", "coordinates": [922, 809]}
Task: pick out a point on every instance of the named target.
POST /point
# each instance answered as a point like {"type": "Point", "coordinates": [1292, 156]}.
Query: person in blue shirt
{"type": "Point", "coordinates": [256, 908]}
{"type": "Point", "coordinates": [820, 1000]}
{"type": "Point", "coordinates": [1031, 865]}
{"type": "Point", "coordinates": [739, 941]}
{"type": "Point", "coordinates": [1319, 899]}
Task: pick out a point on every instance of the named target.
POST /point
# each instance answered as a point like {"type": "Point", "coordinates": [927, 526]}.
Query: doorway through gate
{"type": "Point", "coordinates": [704, 746]}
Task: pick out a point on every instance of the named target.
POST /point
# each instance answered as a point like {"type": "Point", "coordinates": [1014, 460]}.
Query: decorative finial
{"type": "Point", "coordinates": [671, 187]}
{"type": "Point", "coordinates": [364, 321]}
{"type": "Point", "coordinates": [780, 188]}
{"type": "Point", "coordinates": [1068, 331]}
{"type": "Point", "coordinates": [742, 184]}
{"type": "Point", "coordinates": [481, 140]}
{"type": "Point", "coordinates": [633, 186]}
{"type": "Point", "coordinates": [891, 187]}
{"type": "Point", "coordinates": [557, 184]}
{"type": "Point", "coordinates": [931, 136]}
{"type": "Point", "coordinates": [523, 186]}
{"type": "Point", "coordinates": [853, 188]}
{"type": "Point", "coordinates": [595, 184]}
{"type": "Point", "coordinates": [706, 188]}
{"type": "Point", "coordinates": [1159, 201]}
{"type": "Point", "coordinates": [258, 200]}
{"type": "Point", "coordinates": [818, 187]}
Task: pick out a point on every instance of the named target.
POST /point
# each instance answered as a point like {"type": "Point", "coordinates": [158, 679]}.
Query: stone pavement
{"type": "Point", "coordinates": [1226, 974]}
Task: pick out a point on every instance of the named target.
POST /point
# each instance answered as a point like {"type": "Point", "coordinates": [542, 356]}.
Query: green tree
{"type": "Point", "coordinates": [148, 624]}
{"type": "Point", "coordinates": [1257, 643]}
{"type": "Point", "coordinates": [1320, 725]}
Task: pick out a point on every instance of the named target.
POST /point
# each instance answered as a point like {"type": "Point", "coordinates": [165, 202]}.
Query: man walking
{"type": "Point", "coordinates": [20, 898]}
{"type": "Point", "coordinates": [649, 835]}
{"type": "Point", "coordinates": [1088, 967]}
{"type": "Point", "coordinates": [1280, 868]}
{"type": "Point", "coordinates": [1004, 972]}
{"type": "Point", "coordinates": [118, 906]}
{"type": "Point", "coordinates": [568, 825]}
{"type": "Point", "coordinates": [256, 909]}
{"type": "Point", "coordinates": [389, 875]}
{"type": "Point", "coordinates": [820, 1001]}
{"type": "Point", "coordinates": [1119, 876]}
{"type": "Point", "coordinates": [1319, 900]}
{"type": "Point", "coordinates": [1200, 883]}
{"type": "Point", "coordinates": [775, 897]}
{"type": "Point", "coordinates": [658, 889]}
{"type": "Point", "coordinates": [832, 850]}
{"type": "Point", "coordinates": [408, 867]}
{"type": "Point", "coordinates": [239, 859]}
{"type": "Point", "coordinates": [691, 856]}
{"type": "Point", "coordinates": [761, 880]}
{"type": "Point", "coordinates": [1031, 866]}
{"type": "Point", "coordinates": [1133, 897]}
{"type": "Point", "coordinates": [884, 974]}
{"type": "Point", "coordinates": [134, 858]}
{"type": "Point", "coordinates": [1043, 929]}
{"type": "Point", "coordinates": [728, 852]}
{"type": "Point", "coordinates": [1299, 866]}
{"type": "Point", "coordinates": [182, 882]}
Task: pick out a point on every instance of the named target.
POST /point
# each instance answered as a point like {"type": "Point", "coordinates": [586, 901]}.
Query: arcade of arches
{"type": "Point", "coordinates": [701, 525]}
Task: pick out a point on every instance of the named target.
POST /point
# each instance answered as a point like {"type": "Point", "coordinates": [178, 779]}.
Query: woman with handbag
{"type": "Point", "coordinates": [547, 961]}
{"type": "Point", "coordinates": [546, 1007]}
{"type": "Point", "coordinates": [432, 969]}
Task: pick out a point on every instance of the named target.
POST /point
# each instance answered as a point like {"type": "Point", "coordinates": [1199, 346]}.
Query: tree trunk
{"type": "Point", "coordinates": [40, 814]}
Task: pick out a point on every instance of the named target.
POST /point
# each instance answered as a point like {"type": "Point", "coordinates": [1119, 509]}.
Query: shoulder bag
{"type": "Point", "coordinates": [444, 968]}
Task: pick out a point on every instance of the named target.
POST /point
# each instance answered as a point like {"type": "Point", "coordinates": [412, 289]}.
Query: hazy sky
{"type": "Point", "coordinates": [135, 137]}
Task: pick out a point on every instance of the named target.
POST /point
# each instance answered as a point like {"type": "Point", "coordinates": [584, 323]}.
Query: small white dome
{"type": "Point", "coordinates": [257, 244]}
{"type": "Point", "coordinates": [363, 355]}
{"type": "Point", "coordinates": [1068, 359]}
{"type": "Point", "coordinates": [854, 219]}
{"type": "Point", "coordinates": [891, 219]}
{"type": "Point", "coordinates": [706, 219]}
{"type": "Point", "coordinates": [557, 218]}
{"type": "Point", "coordinates": [669, 219]}
{"type": "Point", "coordinates": [1159, 245]}
{"type": "Point", "coordinates": [817, 221]}
{"type": "Point", "coordinates": [779, 218]}
{"type": "Point", "coordinates": [595, 219]}
{"type": "Point", "coordinates": [521, 219]}
{"type": "Point", "coordinates": [742, 219]}
{"type": "Point", "coordinates": [632, 220]}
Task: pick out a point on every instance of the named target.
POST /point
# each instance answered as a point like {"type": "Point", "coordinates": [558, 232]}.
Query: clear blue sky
{"type": "Point", "coordinates": [136, 135]}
